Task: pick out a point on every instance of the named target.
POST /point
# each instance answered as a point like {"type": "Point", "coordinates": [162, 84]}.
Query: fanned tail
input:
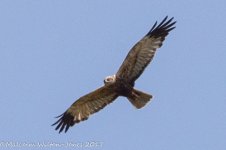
{"type": "Point", "coordinates": [139, 99]}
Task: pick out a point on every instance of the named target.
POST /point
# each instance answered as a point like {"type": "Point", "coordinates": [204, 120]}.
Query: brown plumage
{"type": "Point", "coordinates": [122, 83]}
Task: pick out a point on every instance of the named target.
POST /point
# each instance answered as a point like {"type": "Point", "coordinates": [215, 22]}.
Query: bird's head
{"type": "Point", "coordinates": [109, 79]}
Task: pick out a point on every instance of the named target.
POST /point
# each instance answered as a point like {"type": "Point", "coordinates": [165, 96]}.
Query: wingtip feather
{"type": "Point", "coordinates": [163, 28]}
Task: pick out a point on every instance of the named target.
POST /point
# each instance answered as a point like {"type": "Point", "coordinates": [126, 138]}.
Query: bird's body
{"type": "Point", "coordinates": [122, 83]}
{"type": "Point", "coordinates": [122, 87]}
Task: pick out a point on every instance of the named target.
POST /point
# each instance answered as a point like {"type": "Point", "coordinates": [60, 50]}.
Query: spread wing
{"type": "Point", "coordinates": [85, 106]}
{"type": "Point", "coordinates": [143, 52]}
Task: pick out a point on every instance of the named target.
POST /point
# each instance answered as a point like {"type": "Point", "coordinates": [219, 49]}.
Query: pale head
{"type": "Point", "coordinates": [109, 79]}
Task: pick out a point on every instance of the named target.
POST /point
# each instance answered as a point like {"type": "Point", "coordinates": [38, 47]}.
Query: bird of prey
{"type": "Point", "coordinates": [122, 83]}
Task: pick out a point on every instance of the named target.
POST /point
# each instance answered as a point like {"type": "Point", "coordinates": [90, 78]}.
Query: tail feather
{"type": "Point", "coordinates": [139, 99]}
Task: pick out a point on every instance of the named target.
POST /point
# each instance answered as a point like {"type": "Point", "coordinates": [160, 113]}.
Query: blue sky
{"type": "Point", "coordinates": [53, 52]}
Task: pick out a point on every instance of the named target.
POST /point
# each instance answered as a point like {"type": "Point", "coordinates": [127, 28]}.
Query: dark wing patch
{"type": "Point", "coordinates": [143, 52]}
{"type": "Point", "coordinates": [85, 106]}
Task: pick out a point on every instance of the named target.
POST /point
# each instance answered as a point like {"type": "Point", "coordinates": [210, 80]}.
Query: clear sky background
{"type": "Point", "coordinates": [53, 52]}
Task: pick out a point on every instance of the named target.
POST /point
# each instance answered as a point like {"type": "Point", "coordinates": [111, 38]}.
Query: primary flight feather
{"type": "Point", "coordinates": [122, 83]}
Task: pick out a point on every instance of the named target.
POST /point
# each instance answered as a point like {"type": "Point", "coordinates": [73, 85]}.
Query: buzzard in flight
{"type": "Point", "coordinates": [122, 83]}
